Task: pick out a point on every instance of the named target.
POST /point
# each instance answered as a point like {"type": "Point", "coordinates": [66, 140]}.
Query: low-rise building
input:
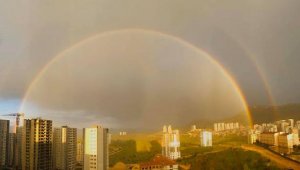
{"type": "Point", "coordinates": [269, 138]}
{"type": "Point", "coordinates": [285, 140]}
{"type": "Point", "coordinates": [296, 136]}
{"type": "Point", "coordinates": [252, 137]}
{"type": "Point", "coordinates": [298, 124]}
{"type": "Point", "coordinates": [226, 126]}
{"type": "Point", "coordinates": [282, 133]}
{"type": "Point", "coordinates": [269, 127]}
{"type": "Point", "coordinates": [159, 162]}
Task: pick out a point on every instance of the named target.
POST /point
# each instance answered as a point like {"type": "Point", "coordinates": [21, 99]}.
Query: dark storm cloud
{"type": "Point", "coordinates": [149, 78]}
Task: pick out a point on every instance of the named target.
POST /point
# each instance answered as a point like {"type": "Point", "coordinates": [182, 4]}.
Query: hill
{"type": "Point", "coordinates": [230, 159]}
{"type": "Point", "coordinates": [259, 114]}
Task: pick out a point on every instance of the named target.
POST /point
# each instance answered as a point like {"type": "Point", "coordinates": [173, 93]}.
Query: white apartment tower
{"type": "Point", "coordinates": [95, 142]}
{"type": "Point", "coordinates": [205, 138]}
{"type": "Point", "coordinates": [171, 143]}
{"type": "Point", "coordinates": [291, 122]}
{"type": "Point", "coordinates": [64, 148]}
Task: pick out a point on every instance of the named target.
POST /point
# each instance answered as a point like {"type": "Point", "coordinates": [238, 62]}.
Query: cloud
{"type": "Point", "coordinates": [134, 78]}
{"type": "Point", "coordinates": [32, 33]}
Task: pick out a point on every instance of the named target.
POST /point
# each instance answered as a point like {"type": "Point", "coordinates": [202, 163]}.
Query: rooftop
{"type": "Point", "coordinates": [159, 160]}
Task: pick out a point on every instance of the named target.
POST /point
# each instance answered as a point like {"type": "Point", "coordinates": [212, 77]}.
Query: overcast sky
{"type": "Point", "coordinates": [257, 42]}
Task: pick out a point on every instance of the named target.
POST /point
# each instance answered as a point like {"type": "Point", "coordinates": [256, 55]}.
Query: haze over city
{"type": "Point", "coordinates": [256, 42]}
{"type": "Point", "coordinates": [159, 85]}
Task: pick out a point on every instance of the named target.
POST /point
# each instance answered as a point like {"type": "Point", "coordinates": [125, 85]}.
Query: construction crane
{"type": "Point", "coordinates": [17, 115]}
{"type": "Point", "coordinates": [17, 140]}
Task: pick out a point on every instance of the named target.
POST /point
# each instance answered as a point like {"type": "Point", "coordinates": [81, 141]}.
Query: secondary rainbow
{"type": "Point", "coordinates": [264, 79]}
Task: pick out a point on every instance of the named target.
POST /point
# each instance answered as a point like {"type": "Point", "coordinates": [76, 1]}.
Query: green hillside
{"type": "Point", "coordinates": [230, 159]}
{"type": "Point", "coordinates": [259, 114]}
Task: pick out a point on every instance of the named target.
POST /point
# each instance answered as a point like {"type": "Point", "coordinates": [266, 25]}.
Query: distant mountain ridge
{"type": "Point", "coordinates": [259, 114]}
{"type": "Point", "coordinates": [266, 114]}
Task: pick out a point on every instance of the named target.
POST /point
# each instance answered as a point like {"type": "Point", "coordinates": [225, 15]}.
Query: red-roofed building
{"type": "Point", "coordinates": [159, 162]}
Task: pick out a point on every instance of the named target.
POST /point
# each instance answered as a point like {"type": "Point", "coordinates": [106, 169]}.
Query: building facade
{"type": "Point", "coordinates": [205, 138]}
{"type": "Point", "coordinates": [37, 144]}
{"type": "Point", "coordinates": [253, 136]}
{"type": "Point", "coordinates": [296, 136]}
{"type": "Point", "coordinates": [160, 162]}
{"type": "Point", "coordinates": [171, 143]}
{"type": "Point", "coordinates": [64, 148]}
{"type": "Point", "coordinates": [226, 126]}
{"type": "Point", "coordinates": [269, 138]}
{"type": "Point", "coordinates": [79, 156]}
{"type": "Point", "coordinates": [18, 147]}
{"type": "Point", "coordinates": [286, 140]}
{"type": "Point", "coordinates": [96, 154]}
{"type": "Point", "coordinates": [11, 148]}
{"type": "Point", "coordinates": [4, 139]}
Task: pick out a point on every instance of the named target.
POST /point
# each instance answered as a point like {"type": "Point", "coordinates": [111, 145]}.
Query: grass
{"type": "Point", "coordinates": [231, 158]}
{"type": "Point", "coordinates": [129, 154]}
{"type": "Point", "coordinates": [225, 153]}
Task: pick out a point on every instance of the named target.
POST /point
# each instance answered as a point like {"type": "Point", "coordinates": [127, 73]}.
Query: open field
{"type": "Point", "coordinates": [229, 158]}
{"type": "Point", "coordinates": [136, 148]}
{"type": "Point", "coordinates": [143, 141]}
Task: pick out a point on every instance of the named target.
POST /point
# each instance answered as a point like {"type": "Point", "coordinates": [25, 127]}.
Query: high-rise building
{"type": "Point", "coordinates": [4, 138]}
{"type": "Point", "coordinates": [64, 148]}
{"type": "Point", "coordinates": [295, 136]}
{"type": "Point", "coordinates": [79, 156]}
{"type": "Point", "coordinates": [291, 122]}
{"type": "Point", "coordinates": [252, 138]}
{"type": "Point", "coordinates": [18, 148]}
{"type": "Point", "coordinates": [37, 144]}
{"type": "Point", "coordinates": [96, 141]}
{"type": "Point", "coordinates": [298, 124]}
{"type": "Point", "coordinates": [14, 148]}
{"type": "Point", "coordinates": [170, 143]}
{"type": "Point", "coordinates": [282, 125]}
{"type": "Point", "coordinates": [253, 135]}
{"type": "Point", "coordinates": [11, 149]}
{"type": "Point", "coordinates": [205, 138]}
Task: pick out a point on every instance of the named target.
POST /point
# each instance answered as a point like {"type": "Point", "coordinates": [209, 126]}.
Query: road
{"type": "Point", "coordinates": [115, 151]}
{"type": "Point", "coordinates": [279, 160]}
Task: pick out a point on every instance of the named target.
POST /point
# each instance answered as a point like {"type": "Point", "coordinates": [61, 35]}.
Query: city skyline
{"type": "Point", "coordinates": [43, 146]}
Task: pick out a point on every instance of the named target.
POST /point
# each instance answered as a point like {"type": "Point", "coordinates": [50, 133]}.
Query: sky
{"type": "Point", "coordinates": [257, 42]}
